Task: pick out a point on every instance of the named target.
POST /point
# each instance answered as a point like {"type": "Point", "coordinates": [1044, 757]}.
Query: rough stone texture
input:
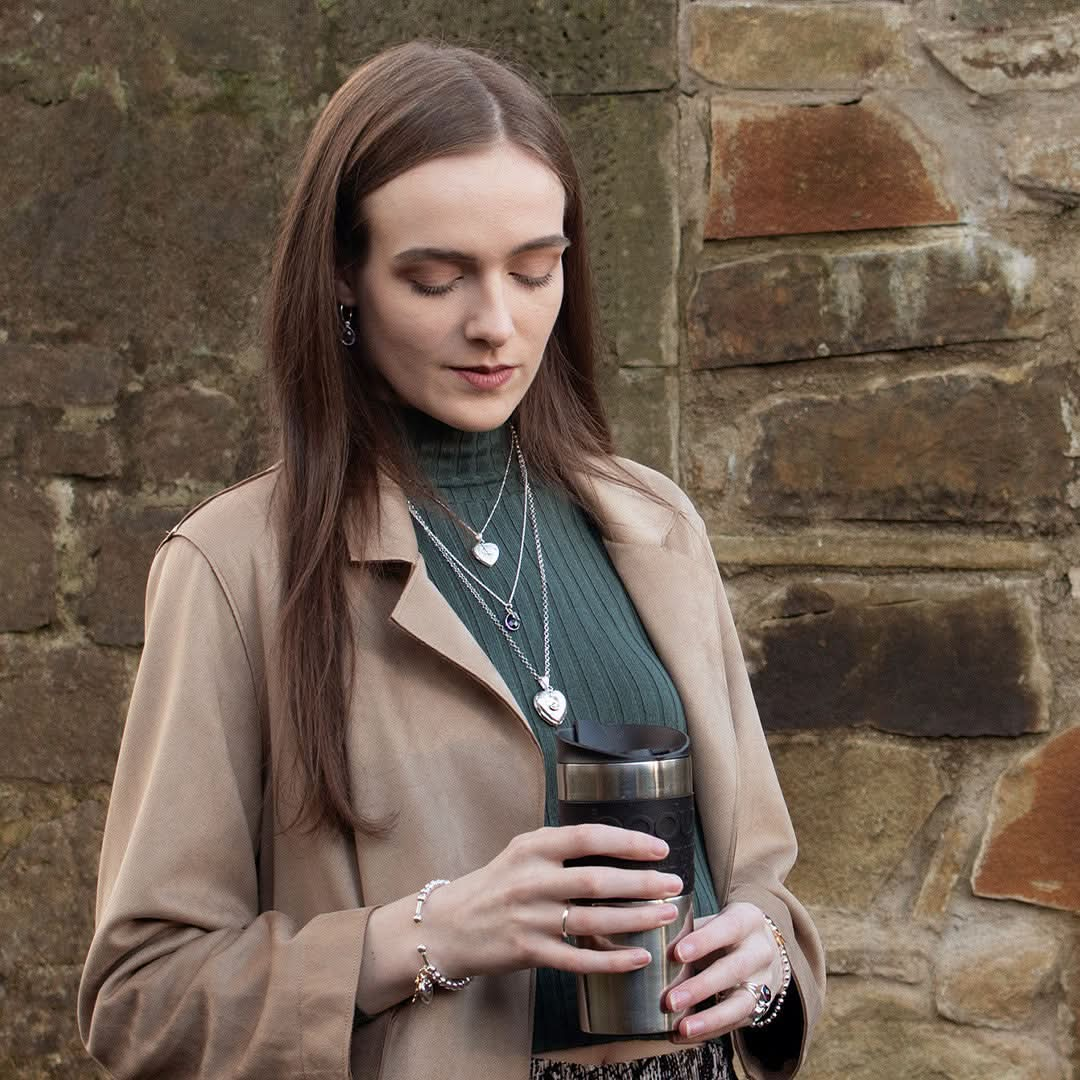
{"type": "Point", "coordinates": [881, 949]}
{"type": "Point", "coordinates": [591, 46]}
{"type": "Point", "coordinates": [915, 659]}
{"type": "Point", "coordinates": [80, 451]}
{"type": "Point", "coordinates": [832, 549]}
{"type": "Point", "coordinates": [626, 150]}
{"type": "Point", "coordinates": [47, 879]}
{"type": "Point", "coordinates": [1029, 849]}
{"type": "Point", "coordinates": [27, 560]}
{"type": "Point", "coordinates": [1042, 59]}
{"type": "Point", "coordinates": [942, 874]}
{"type": "Point", "coordinates": [783, 46]}
{"type": "Point", "coordinates": [812, 304]}
{"type": "Point", "coordinates": [644, 415]}
{"type": "Point", "coordinates": [61, 711]}
{"type": "Point", "coordinates": [793, 169]}
{"type": "Point", "coordinates": [991, 975]}
{"type": "Point", "coordinates": [1046, 162]}
{"type": "Point", "coordinates": [59, 375]}
{"type": "Point", "coordinates": [886, 1048]}
{"type": "Point", "coordinates": [126, 544]}
{"type": "Point", "coordinates": [188, 434]}
{"type": "Point", "coordinates": [857, 804]}
{"type": "Point", "coordinates": [956, 447]}
{"type": "Point", "coordinates": [991, 14]}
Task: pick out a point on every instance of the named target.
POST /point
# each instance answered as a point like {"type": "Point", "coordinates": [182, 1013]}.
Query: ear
{"type": "Point", "coordinates": [344, 289]}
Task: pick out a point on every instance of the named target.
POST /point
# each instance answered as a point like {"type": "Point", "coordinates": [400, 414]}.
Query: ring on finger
{"type": "Point", "coordinates": [565, 915]}
{"type": "Point", "coordinates": [761, 994]}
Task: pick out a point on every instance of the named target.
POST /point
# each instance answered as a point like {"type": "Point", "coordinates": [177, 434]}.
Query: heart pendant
{"type": "Point", "coordinates": [486, 553]}
{"type": "Point", "coordinates": [551, 705]}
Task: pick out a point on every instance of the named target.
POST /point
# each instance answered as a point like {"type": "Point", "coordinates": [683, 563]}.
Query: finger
{"type": "Point", "coordinates": [729, 929]}
{"type": "Point", "coordinates": [720, 977]}
{"type": "Point", "coordinates": [609, 882]}
{"type": "Point", "coordinates": [732, 1012]}
{"type": "Point", "coordinates": [578, 841]}
{"type": "Point", "coordinates": [588, 920]}
{"type": "Point", "coordinates": [618, 960]}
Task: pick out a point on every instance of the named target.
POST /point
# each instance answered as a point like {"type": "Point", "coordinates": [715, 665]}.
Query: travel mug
{"type": "Point", "coordinates": [639, 778]}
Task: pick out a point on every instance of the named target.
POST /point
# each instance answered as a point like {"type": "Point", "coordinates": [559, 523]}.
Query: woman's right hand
{"type": "Point", "coordinates": [508, 914]}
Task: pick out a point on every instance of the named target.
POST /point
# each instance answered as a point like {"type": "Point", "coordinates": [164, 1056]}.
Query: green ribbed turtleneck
{"type": "Point", "coordinates": [602, 659]}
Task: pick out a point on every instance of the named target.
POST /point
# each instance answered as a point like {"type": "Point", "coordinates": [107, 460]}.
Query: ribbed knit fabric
{"type": "Point", "coordinates": [601, 657]}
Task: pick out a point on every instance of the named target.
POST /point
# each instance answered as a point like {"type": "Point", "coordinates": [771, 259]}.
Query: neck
{"type": "Point", "coordinates": [450, 457]}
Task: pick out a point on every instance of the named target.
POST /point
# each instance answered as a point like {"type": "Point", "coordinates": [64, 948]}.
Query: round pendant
{"type": "Point", "coordinates": [512, 622]}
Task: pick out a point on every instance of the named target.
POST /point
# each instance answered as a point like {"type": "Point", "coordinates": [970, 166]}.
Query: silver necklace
{"type": "Point", "coordinates": [486, 551]}
{"type": "Point", "coordinates": [549, 703]}
{"type": "Point", "coordinates": [511, 620]}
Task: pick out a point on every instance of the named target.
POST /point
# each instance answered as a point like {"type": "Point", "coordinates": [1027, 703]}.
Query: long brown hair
{"type": "Point", "coordinates": [403, 107]}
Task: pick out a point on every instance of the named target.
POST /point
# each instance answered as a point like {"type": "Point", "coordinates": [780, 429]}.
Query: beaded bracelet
{"type": "Point", "coordinates": [429, 976]}
{"type": "Point", "coordinates": [778, 998]}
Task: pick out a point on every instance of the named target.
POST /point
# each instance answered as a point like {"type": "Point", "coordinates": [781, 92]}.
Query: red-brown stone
{"type": "Point", "coordinates": [1030, 849]}
{"type": "Point", "coordinates": [795, 169]}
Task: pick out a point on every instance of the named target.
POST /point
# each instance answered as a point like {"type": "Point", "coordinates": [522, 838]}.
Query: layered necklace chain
{"type": "Point", "coordinates": [549, 703]}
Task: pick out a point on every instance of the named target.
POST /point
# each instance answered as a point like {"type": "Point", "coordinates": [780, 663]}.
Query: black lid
{"type": "Point", "coordinates": [621, 742]}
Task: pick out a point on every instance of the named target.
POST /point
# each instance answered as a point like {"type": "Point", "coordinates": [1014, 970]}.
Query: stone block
{"type": "Point", "coordinates": [995, 14]}
{"type": "Point", "coordinates": [27, 556]}
{"type": "Point", "coordinates": [1029, 849]}
{"type": "Point", "coordinates": [779, 46]}
{"type": "Point", "coordinates": [126, 543]}
{"type": "Point", "coordinates": [952, 447]}
{"type": "Point", "coordinates": [912, 658]}
{"type": "Point", "coordinates": [47, 882]}
{"type": "Point", "coordinates": [187, 434]}
{"type": "Point", "coordinates": [643, 407]}
{"type": "Point", "coordinates": [890, 1048]}
{"type": "Point", "coordinates": [857, 805]}
{"type": "Point", "coordinates": [61, 711]}
{"type": "Point", "coordinates": [627, 155]}
{"type": "Point", "coordinates": [946, 865]}
{"type": "Point", "coordinates": [1047, 58]}
{"type": "Point", "coordinates": [783, 169]}
{"type": "Point", "coordinates": [588, 47]}
{"type": "Point", "coordinates": [1044, 160]}
{"type": "Point", "coordinates": [813, 304]}
{"type": "Point", "coordinates": [55, 376]}
{"type": "Point", "coordinates": [856, 946]}
{"type": "Point", "coordinates": [991, 976]}
{"type": "Point", "coordinates": [80, 451]}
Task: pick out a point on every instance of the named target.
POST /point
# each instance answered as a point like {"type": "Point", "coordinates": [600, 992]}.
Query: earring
{"type": "Point", "coordinates": [348, 331]}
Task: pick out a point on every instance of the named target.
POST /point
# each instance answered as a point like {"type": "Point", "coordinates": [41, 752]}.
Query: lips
{"type": "Point", "coordinates": [485, 378]}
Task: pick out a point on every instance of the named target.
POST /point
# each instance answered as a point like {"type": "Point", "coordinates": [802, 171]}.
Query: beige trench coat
{"type": "Point", "coordinates": [224, 951]}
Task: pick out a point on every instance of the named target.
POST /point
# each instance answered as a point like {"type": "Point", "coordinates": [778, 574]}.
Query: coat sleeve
{"type": "Point", "coordinates": [185, 975]}
{"type": "Point", "coordinates": [765, 851]}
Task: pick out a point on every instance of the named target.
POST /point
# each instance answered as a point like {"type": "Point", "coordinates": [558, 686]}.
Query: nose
{"type": "Point", "coordinates": [489, 319]}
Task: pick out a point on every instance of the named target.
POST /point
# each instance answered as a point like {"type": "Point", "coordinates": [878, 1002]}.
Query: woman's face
{"type": "Point", "coordinates": [462, 283]}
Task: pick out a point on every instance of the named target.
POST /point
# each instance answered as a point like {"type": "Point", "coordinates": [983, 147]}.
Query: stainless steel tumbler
{"type": "Point", "coordinates": [640, 778]}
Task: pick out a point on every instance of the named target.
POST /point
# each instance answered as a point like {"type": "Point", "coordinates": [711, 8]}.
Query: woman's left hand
{"type": "Point", "coordinates": [726, 949]}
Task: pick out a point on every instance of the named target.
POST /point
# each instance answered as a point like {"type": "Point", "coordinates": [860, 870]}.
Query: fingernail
{"type": "Point", "coordinates": [659, 847]}
{"type": "Point", "coordinates": [686, 951]}
{"type": "Point", "coordinates": [642, 958]}
{"type": "Point", "coordinates": [669, 913]}
{"type": "Point", "coordinates": [676, 884]}
{"type": "Point", "coordinates": [677, 1001]}
{"type": "Point", "coordinates": [692, 1028]}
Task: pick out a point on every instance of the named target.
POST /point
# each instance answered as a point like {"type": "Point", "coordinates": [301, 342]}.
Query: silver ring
{"type": "Point", "coordinates": [565, 916]}
{"type": "Point", "coordinates": [762, 996]}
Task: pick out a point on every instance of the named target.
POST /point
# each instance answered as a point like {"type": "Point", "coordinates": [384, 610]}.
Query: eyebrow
{"type": "Point", "coordinates": [418, 254]}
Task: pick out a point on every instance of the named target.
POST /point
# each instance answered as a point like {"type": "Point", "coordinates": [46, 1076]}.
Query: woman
{"type": "Point", "coordinates": [356, 660]}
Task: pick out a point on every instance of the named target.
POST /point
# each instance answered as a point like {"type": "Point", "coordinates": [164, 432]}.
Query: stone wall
{"type": "Point", "coordinates": [838, 250]}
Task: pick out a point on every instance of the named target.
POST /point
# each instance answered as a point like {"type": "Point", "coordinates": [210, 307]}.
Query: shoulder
{"type": "Point", "coordinates": [235, 532]}
{"type": "Point", "coordinates": [661, 486]}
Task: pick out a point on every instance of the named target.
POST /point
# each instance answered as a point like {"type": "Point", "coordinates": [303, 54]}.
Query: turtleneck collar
{"type": "Point", "coordinates": [449, 457]}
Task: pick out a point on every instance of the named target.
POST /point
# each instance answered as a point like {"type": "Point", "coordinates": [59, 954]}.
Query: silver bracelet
{"type": "Point", "coordinates": [429, 976]}
{"type": "Point", "coordinates": [778, 998]}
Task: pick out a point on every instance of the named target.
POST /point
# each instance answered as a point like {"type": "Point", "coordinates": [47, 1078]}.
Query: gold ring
{"type": "Point", "coordinates": [565, 916]}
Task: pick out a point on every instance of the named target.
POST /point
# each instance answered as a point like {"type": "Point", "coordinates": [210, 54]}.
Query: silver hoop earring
{"type": "Point", "coordinates": [348, 331]}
